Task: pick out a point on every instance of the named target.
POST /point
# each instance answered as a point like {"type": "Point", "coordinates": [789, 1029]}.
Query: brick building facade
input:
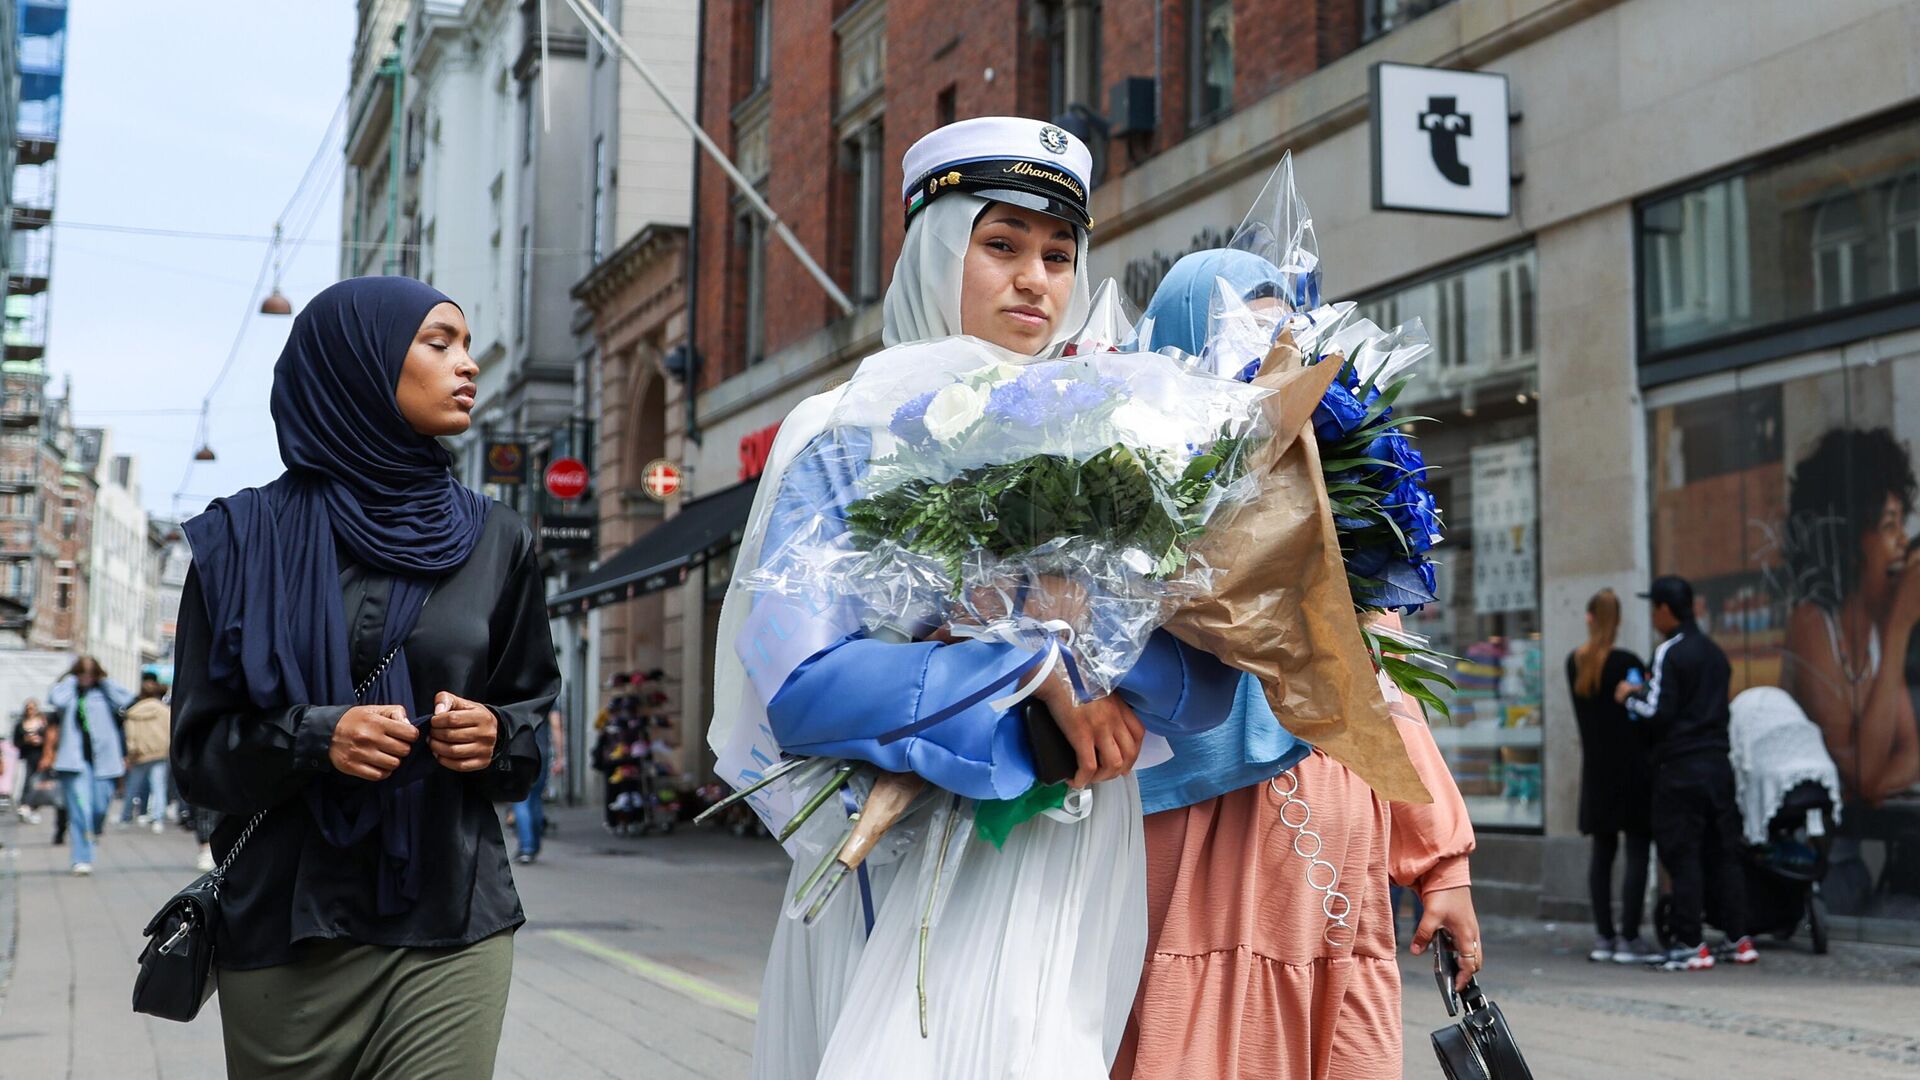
{"type": "Point", "coordinates": [905, 67]}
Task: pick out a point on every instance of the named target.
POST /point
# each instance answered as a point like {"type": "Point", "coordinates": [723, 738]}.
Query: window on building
{"type": "Point", "coordinates": [523, 302]}
{"type": "Point", "coordinates": [1839, 252]}
{"type": "Point", "coordinates": [762, 38]}
{"type": "Point", "coordinates": [1210, 59]}
{"type": "Point", "coordinates": [1381, 16]}
{"type": "Point", "coordinates": [17, 580]}
{"type": "Point", "coordinates": [1903, 232]}
{"type": "Point", "coordinates": [526, 121]}
{"type": "Point", "coordinates": [1073, 55]}
{"type": "Point", "coordinates": [862, 166]}
{"type": "Point", "coordinates": [63, 586]}
{"type": "Point", "coordinates": [1789, 240]}
{"type": "Point", "coordinates": [596, 242]}
{"type": "Point", "coordinates": [750, 235]}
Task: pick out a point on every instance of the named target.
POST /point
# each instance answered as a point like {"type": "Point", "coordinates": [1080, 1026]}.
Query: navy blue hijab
{"type": "Point", "coordinates": [360, 478]}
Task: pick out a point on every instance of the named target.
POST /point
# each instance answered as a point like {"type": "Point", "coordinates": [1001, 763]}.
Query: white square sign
{"type": "Point", "coordinates": [1440, 141]}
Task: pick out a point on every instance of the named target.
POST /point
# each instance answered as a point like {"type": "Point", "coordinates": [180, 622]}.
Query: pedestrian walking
{"type": "Point", "coordinates": [86, 750]}
{"type": "Point", "coordinates": [363, 662]}
{"type": "Point", "coordinates": [530, 813]}
{"type": "Point", "coordinates": [148, 734]}
{"type": "Point", "coordinates": [29, 738]}
{"type": "Point", "coordinates": [1696, 822]}
{"type": "Point", "coordinates": [1032, 967]}
{"type": "Point", "coordinates": [1248, 974]}
{"type": "Point", "coordinates": [1616, 784]}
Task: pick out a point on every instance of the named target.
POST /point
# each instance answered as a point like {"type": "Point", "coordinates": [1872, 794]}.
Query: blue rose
{"type": "Point", "coordinates": [1016, 402]}
{"type": "Point", "coordinates": [1413, 508]}
{"type": "Point", "coordinates": [1397, 450]}
{"type": "Point", "coordinates": [1339, 413]}
{"type": "Point", "coordinates": [909, 421]}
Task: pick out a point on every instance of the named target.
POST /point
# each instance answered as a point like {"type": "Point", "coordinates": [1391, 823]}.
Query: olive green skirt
{"type": "Point", "coordinates": [369, 1012]}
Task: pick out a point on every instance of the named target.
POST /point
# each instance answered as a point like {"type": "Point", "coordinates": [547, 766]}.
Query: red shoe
{"type": "Point", "coordinates": [1694, 958]}
{"type": "Point", "coordinates": [1741, 951]}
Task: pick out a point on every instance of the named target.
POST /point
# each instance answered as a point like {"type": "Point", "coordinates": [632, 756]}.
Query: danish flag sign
{"type": "Point", "coordinates": [660, 479]}
{"type": "Point", "coordinates": [567, 478]}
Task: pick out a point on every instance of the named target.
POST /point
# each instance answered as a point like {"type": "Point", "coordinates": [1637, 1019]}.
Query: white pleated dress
{"type": "Point", "coordinates": [1032, 965]}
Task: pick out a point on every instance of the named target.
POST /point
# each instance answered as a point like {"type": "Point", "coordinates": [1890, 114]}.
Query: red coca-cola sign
{"type": "Point", "coordinates": [567, 478]}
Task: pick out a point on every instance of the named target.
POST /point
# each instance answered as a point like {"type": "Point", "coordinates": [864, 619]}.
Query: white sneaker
{"type": "Point", "coordinates": [82, 869]}
{"type": "Point", "coordinates": [159, 826]}
{"type": "Point", "coordinates": [1604, 949]}
{"type": "Point", "coordinates": [205, 862]}
{"type": "Point", "coordinates": [25, 815]}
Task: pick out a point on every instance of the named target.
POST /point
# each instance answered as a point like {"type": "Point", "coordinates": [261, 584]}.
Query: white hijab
{"type": "Point", "coordinates": [922, 304]}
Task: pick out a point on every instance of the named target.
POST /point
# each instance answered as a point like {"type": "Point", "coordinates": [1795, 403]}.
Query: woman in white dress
{"type": "Point", "coordinates": [1032, 962]}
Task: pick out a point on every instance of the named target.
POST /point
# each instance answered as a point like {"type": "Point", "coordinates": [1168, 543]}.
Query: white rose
{"type": "Point", "coordinates": [1145, 428]}
{"type": "Point", "coordinates": [954, 410]}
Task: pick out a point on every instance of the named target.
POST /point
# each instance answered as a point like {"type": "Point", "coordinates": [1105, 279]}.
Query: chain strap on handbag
{"type": "Point", "coordinates": [176, 967]}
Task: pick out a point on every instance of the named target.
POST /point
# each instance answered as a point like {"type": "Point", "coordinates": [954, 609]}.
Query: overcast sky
{"type": "Point", "coordinates": [201, 117]}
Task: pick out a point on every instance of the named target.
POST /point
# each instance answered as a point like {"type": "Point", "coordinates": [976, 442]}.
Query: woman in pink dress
{"type": "Point", "coordinates": [1270, 949]}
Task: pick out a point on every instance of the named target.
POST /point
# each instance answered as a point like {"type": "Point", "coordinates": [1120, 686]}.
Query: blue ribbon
{"type": "Point", "coordinates": [866, 884]}
{"type": "Point", "coordinates": [1009, 679]}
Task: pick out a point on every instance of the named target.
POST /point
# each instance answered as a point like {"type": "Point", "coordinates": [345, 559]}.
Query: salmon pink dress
{"type": "Point", "coordinates": [1254, 971]}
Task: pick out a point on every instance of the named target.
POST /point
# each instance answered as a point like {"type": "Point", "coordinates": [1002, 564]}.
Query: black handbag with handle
{"type": "Point", "coordinates": [176, 967]}
{"type": "Point", "coordinates": [1480, 1046]}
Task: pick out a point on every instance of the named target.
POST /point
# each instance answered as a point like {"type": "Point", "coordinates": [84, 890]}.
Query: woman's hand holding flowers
{"type": "Point", "coordinates": [463, 733]}
{"type": "Point", "coordinates": [1104, 732]}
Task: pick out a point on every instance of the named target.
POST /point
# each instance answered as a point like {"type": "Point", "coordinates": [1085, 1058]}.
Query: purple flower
{"type": "Point", "coordinates": [1016, 402]}
{"type": "Point", "coordinates": [1084, 396]}
{"type": "Point", "coordinates": [909, 421]}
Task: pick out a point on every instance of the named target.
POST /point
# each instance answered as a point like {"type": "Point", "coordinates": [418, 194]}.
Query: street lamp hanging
{"type": "Point", "coordinates": [276, 302]}
{"type": "Point", "coordinates": [205, 453]}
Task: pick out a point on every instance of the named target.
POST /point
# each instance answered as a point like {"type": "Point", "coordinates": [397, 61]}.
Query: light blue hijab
{"type": "Point", "coordinates": [1250, 746]}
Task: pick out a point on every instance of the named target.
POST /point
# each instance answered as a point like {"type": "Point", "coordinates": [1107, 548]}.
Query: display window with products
{"type": "Point", "coordinates": [1481, 389]}
{"type": "Point", "coordinates": [1788, 494]}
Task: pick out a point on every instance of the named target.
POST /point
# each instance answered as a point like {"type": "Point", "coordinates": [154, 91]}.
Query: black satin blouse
{"type": "Point", "coordinates": [483, 636]}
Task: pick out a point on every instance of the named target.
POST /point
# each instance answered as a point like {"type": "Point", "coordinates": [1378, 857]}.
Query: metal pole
{"type": "Point", "coordinates": [611, 40]}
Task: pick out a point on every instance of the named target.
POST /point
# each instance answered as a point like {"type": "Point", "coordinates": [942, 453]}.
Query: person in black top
{"type": "Point", "coordinates": [1695, 820]}
{"type": "Point", "coordinates": [363, 661]}
{"type": "Point", "coordinates": [1616, 782]}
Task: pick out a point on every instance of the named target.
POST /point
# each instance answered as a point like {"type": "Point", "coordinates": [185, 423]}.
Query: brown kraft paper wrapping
{"type": "Point", "coordinates": [1280, 608]}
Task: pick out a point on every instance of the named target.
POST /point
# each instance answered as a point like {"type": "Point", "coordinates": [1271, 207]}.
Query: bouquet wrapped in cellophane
{"type": "Point", "coordinates": [1341, 532]}
{"type": "Point", "coordinates": [1054, 504]}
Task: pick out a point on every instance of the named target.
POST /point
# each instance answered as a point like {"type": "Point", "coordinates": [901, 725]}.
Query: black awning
{"type": "Point", "coordinates": [664, 557]}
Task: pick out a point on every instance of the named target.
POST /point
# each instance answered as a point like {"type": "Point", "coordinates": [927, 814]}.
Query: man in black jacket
{"type": "Point", "coordinates": [1695, 820]}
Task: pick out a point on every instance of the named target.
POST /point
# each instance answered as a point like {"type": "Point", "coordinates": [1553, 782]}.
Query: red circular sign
{"type": "Point", "coordinates": [660, 478]}
{"type": "Point", "coordinates": [567, 478]}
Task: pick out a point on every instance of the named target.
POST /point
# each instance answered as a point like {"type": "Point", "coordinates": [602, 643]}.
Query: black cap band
{"type": "Point", "coordinates": [1037, 186]}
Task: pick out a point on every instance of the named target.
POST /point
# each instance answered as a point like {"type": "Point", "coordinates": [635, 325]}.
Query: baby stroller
{"type": "Point", "coordinates": [1788, 792]}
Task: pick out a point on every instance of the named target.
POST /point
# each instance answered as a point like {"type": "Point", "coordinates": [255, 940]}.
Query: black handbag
{"type": "Point", "coordinates": [1480, 1046]}
{"type": "Point", "coordinates": [176, 967]}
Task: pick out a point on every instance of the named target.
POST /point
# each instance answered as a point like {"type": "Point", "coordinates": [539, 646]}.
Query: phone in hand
{"type": "Point", "coordinates": [1446, 970]}
{"type": "Point", "coordinates": [1635, 678]}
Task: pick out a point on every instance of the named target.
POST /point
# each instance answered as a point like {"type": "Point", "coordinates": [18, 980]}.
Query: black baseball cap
{"type": "Point", "coordinates": [1675, 592]}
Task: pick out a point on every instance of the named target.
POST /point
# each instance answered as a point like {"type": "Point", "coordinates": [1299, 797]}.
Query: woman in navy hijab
{"type": "Point", "coordinates": [362, 664]}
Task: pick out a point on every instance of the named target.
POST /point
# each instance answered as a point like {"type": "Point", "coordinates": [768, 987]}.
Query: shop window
{"type": "Point", "coordinates": [1789, 497]}
{"type": "Point", "coordinates": [1790, 241]}
{"type": "Point", "coordinates": [1481, 386]}
{"type": "Point", "coordinates": [1210, 59]}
